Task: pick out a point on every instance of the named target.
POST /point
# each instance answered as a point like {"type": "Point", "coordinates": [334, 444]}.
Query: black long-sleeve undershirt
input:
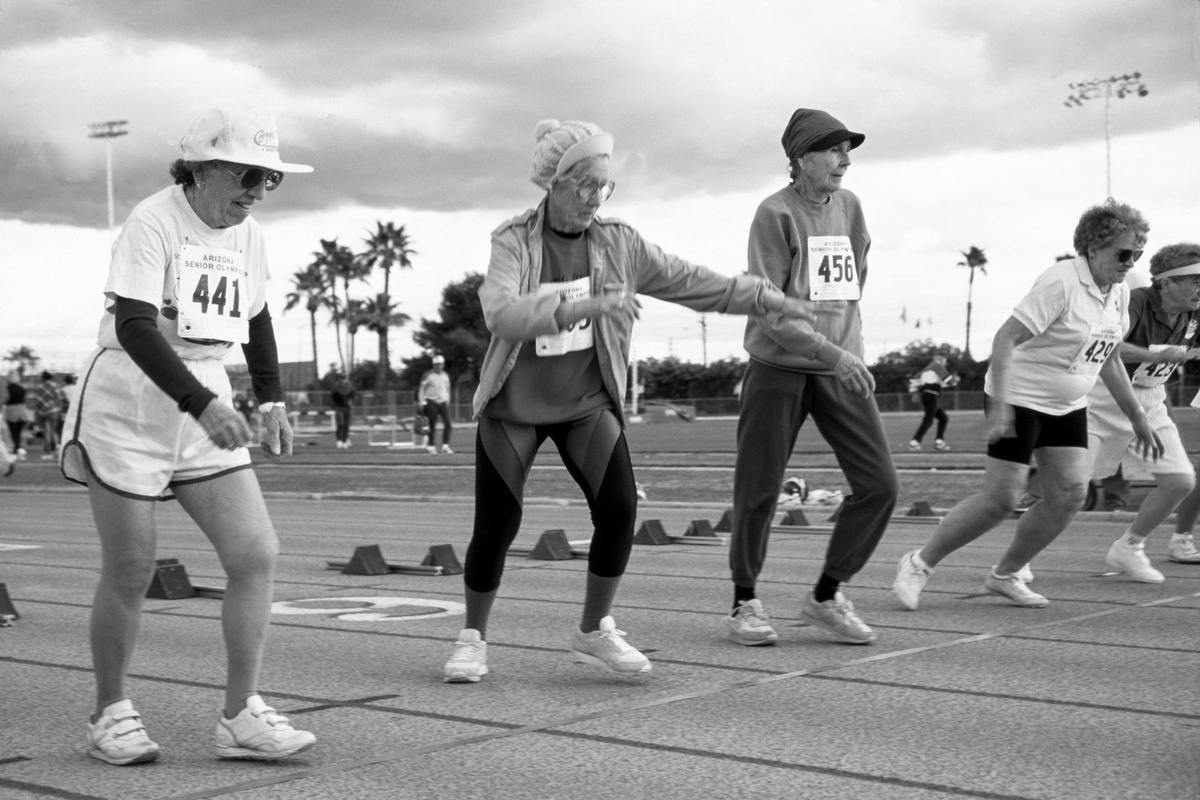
{"type": "Point", "coordinates": [138, 334]}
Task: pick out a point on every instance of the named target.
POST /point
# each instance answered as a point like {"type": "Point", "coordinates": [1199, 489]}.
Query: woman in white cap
{"type": "Point", "coordinates": [153, 419]}
{"type": "Point", "coordinates": [560, 301]}
{"type": "Point", "coordinates": [1046, 357]}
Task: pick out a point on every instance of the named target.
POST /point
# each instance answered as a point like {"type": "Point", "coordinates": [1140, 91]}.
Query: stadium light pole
{"type": "Point", "coordinates": [1119, 86]}
{"type": "Point", "coordinates": [108, 131]}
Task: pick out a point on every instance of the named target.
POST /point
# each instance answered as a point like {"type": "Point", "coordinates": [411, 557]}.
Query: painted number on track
{"type": "Point", "coordinates": [371, 609]}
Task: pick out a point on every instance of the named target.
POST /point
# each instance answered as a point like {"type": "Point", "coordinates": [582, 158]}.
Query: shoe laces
{"type": "Point", "coordinates": [756, 616]}
{"type": "Point", "coordinates": [466, 651]}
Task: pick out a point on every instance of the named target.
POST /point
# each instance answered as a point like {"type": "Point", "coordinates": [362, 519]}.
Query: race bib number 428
{"type": "Point", "coordinates": [213, 291]}
{"type": "Point", "coordinates": [832, 272]}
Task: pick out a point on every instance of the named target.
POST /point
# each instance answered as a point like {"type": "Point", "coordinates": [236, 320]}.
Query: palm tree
{"type": "Point", "coordinates": [312, 290]}
{"type": "Point", "coordinates": [974, 259]}
{"type": "Point", "coordinates": [387, 247]}
{"type": "Point", "coordinates": [355, 317]}
{"type": "Point", "coordinates": [380, 315]}
{"type": "Point", "coordinates": [24, 358]}
{"type": "Point", "coordinates": [336, 262]}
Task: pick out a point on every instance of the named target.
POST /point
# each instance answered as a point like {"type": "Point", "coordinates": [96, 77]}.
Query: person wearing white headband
{"type": "Point", "coordinates": [153, 419]}
{"type": "Point", "coordinates": [560, 301]}
{"type": "Point", "coordinates": [1061, 338]}
{"type": "Point", "coordinates": [1164, 324]}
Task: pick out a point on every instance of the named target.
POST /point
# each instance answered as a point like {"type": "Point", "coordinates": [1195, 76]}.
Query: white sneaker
{"type": "Point", "coordinates": [1182, 549]}
{"type": "Point", "coordinates": [260, 733]}
{"type": "Point", "coordinates": [940, 444]}
{"type": "Point", "coordinates": [837, 616]}
{"type": "Point", "coordinates": [607, 648]}
{"type": "Point", "coordinates": [1131, 559]}
{"type": "Point", "coordinates": [750, 625]}
{"type": "Point", "coordinates": [1014, 589]}
{"type": "Point", "coordinates": [468, 662]}
{"type": "Point", "coordinates": [1025, 573]}
{"type": "Point", "coordinates": [119, 738]}
{"type": "Point", "coordinates": [431, 450]}
{"type": "Point", "coordinates": [914, 445]}
{"type": "Point", "coordinates": [446, 449]}
{"type": "Point", "coordinates": [911, 576]}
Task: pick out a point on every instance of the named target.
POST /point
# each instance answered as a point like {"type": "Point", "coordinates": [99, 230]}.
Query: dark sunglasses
{"type": "Point", "coordinates": [253, 176]}
{"type": "Point", "coordinates": [1127, 256]}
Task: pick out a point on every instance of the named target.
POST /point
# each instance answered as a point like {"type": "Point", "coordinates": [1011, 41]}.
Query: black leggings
{"type": "Point", "coordinates": [498, 511]}
{"type": "Point", "coordinates": [932, 411]}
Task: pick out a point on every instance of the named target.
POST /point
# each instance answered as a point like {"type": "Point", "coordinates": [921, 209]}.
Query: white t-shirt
{"type": "Point", "coordinates": [205, 282]}
{"type": "Point", "coordinates": [1075, 328]}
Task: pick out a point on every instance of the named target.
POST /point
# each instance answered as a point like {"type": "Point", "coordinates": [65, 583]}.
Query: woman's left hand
{"type": "Point", "coordinates": [227, 428]}
{"type": "Point", "coordinates": [277, 437]}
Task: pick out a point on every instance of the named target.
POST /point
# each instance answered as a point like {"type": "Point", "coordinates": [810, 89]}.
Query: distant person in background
{"type": "Point", "coordinates": [930, 382]}
{"type": "Point", "coordinates": [154, 419]}
{"type": "Point", "coordinates": [811, 238]}
{"type": "Point", "coordinates": [69, 387]}
{"type": "Point", "coordinates": [48, 411]}
{"type": "Point", "coordinates": [16, 414]}
{"type": "Point", "coordinates": [560, 300]}
{"type": "Point", "coordinates": [341, 396]}
{"type": "Point", "coordinates": [1046, 357]}
{"type": "Point", "coordinates": [433, 397]}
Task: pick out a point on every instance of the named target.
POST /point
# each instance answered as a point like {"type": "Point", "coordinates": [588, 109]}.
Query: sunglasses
{"type": "Point", "coordinates": [1127, 256]}
{"type": "Point", "coordinates": [251, 177]}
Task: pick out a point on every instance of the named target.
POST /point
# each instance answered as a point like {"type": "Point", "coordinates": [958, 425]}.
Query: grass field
{"type": "Point", "coordinates": [675, 462]}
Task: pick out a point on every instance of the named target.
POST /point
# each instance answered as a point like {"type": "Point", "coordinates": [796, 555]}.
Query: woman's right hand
{"type": "Point", "coordinates": [1000, 422]}
{"type": "Point", "coordinates": [226, 427]}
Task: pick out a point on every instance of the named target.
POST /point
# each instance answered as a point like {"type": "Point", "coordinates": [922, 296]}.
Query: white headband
{"type": "Point", "coordinates": [1187, 269]}
{"type": "Point", "coordinates": [599, 145]}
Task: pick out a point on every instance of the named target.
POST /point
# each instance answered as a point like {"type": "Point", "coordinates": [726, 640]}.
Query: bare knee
{"type": "Point", "coordinates": [256, 559]}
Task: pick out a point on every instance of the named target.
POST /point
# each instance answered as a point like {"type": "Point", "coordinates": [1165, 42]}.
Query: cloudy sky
{"type": "Point", "coordinates": [422, 113]}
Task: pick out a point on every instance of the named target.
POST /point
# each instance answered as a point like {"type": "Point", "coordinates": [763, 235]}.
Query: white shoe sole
{"type": "Point", "coordinates": [249, 754]}
{"type": "Point", "coordinates": [140, 758]}
{"type": "Point", "coordinates": [591, 660]}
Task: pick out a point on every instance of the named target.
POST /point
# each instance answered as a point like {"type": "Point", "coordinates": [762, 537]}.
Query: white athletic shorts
{"type": "Point", "coordinates": [125, 432]}
{"type": "Point", "coordinates": [1111, 439]}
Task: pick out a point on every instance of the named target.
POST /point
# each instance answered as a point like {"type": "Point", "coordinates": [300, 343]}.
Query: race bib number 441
{"type": "Point", "coordinates": [213, 291]}
{"type": "Point", "coordinates": [832, 272]}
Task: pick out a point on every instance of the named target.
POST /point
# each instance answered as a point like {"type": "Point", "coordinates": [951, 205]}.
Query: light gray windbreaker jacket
{"type": "Point", "coordinates": [617, 254]}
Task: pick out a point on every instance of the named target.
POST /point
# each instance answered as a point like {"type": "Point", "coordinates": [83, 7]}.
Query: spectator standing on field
{"type": "Point", "coordinates": [341, 396]}
{"type": "Point", "coordinates": [433, 398]}
{"type": "Point", "coordinates": [48, 411]}
{"type": "Point", "coordinates": [16, 414]}
{"type": "Point", "coordinates": [930, 382]}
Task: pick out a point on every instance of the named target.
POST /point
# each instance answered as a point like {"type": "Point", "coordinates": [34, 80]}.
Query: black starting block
{"type": "Point", "coordinates": [919, 511]}
{"type": "Point", "coordinates": [8, 612]}
{"type": "Point", "coordinates": [442, 555]}
{"type": "Point", "coordinates": [552, 545]}
{"type": "Point", "coordinates": [368, 559]}
{"type": "Point", "coordinates": [794, 517]}
{"type": "Point", "coordinates": [725, 523]}
{"type": "Point", "coordinates": [651, 532]}
{"type": "Point", "coordinates": [699, 531]}
{"type": "Point", "coordinates": [171, 582]}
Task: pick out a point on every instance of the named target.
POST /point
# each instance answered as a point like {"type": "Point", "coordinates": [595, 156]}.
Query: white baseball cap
{"type": "Point", "coordinates": [237, 136]}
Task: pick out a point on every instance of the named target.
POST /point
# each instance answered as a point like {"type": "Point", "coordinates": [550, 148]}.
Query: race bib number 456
{"type": "Point", "coordinates": [832, 273]}
{"type": "Point", "coordinates": [213, 292]}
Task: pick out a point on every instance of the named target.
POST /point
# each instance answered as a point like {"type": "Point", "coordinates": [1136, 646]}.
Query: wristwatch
{"type": "Point", "coordinates": [265, 407]}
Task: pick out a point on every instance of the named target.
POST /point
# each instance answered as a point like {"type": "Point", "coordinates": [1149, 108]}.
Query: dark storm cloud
{"type": "Point", "coordinates": [951, 77]}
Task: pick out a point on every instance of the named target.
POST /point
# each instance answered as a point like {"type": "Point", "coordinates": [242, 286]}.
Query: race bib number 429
{"type": "Point", "coordinates": [213, 292]}
{"type": "Point", "coordinates": [832, 272]}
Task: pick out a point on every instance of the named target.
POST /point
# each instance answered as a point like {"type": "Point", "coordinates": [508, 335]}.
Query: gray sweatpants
{"type": "Point", "coordinates": [774, 405]}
